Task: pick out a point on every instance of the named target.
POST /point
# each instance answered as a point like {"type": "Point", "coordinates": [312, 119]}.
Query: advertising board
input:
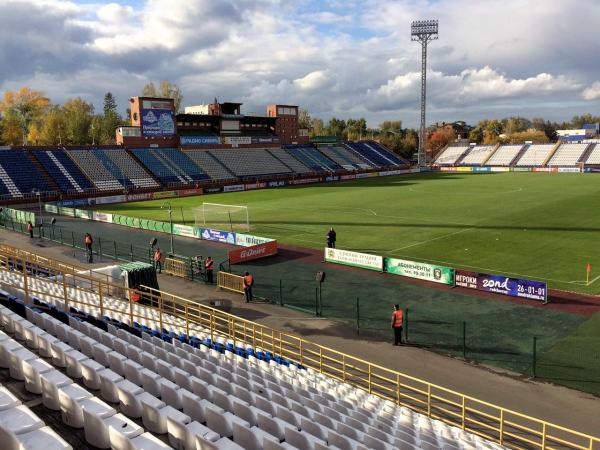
{"type": "Point", "coordinates": [247, 240]}
{"type": "Point", "coordinates": [422, 271]}
{"type": "Point", "coordinates": [48, 207]}
{"type": "Point", "coordinates": [265, 140]}
{"type": "Point", "coordinates": [251, 186]}
{"type": "Point", "coordinates": [164, 194]}
{"type": "Point", "coordinates": [183, 230]}
{"type": "Point", "coordinates": [362, 175]}
{"type": "Point", "coordinates": [240, 255]}
{"type": "Point", "coordinates": [139, 197]}
{"type": "Point", "coordinates": [347, 177]}
{"type": "Point", "coordinates": [464, 169]}
{"type": "Point", "coordinates": [393, 172]}
{"type": "Point", "coordinates": [237, 140]}
{"type": "Point", "coordinates": [481, 169]}
{"type": "Point", "coordinates": [499, 169]}
{"type": "Point", "coordinates": [592, 169]}
{"type": "Point", "coordinates": [448, 169]}
{"type": "Point", "coordinates": [199, 140]}
{"type": "Point", "coordinates": [273, 184]}
{"type": "Point", "coordinates": [158, 118]}
{"type": "Point", "coordinates": [225, 237]}
{"type": "Point", "coordinates": [108, 199]}
{"type": "Point", "coordinates": [306, 181]}
{"type": "Point", "coordinates": [569, 169]}
{"type": "Point", "coordinates": [333, 178]}
{"type": "Point", "coordinates": [354, 259]}
{"type": "Point", "coordinates": [233, 188]}
{"type": "Point", "coordinates": [102, 217]}
{"type": "Point", "coordinates": [500, 284]}
{"type": "Point", "coordinates": [189, 192]}
{"type": "Point", "coordinates": [521, 169]}
{"type": "Point", "coordinates": [545, 169]}
{"type": "Point", "coordinates": [213, 190]}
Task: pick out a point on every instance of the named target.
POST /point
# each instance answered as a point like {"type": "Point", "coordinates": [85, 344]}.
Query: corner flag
{"type": "Point", "coordinates": [589, 269]}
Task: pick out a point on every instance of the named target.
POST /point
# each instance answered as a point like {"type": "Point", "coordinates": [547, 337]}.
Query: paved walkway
{"type": "Point", "coordinates": [560, 405]}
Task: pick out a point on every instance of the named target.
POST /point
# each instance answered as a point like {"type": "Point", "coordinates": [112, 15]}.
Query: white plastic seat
{"type": "Point", "coordinates": [90, 372]}
{"type": "Point", "coordinates": [101, 353]}
{"type": "Point", "coordinates": [19, 420]}
{"type": "Point", "coordinates": [6, 347]}
{"type": "Point", "coordinates": [51, 382]}
{"type": "Point", "coordinates": [133, 372]}
{"type": "Point", "coordinates": [170, 393]}
{"type": "Point", "coordinates": [247, 412]}
{"type": "Point", "coordinates": [145, 441]}
{"type": "Point", "coordinates": [155, 417]}
{"type": "Point", "coordinates": [116, 362]}
{"type": "Point", "coordinates": [183, 436]}
{"type": "Point", "coordinates": [31, 336]}
{"type": "Point", "coordinates": [272, 425]}
{"type": "Point", "coordinates": [73, 360]}
{"type": "Point", "coordinates": [251, 438]}
{"type": "Point", "coordinates": [16, 358]}
{"type": "Point", "coordinates": [343, 442]}
{"type": "Point", "coordinates": [45, 342]}
{"type": "Point", "coordinates": [150, 381]}
{"type": "Point", "coordinates": [129, 398]}
{"type": "Point", "coordinates": [222, 423]}
{"type": "Point", "coordinates": [97, 428]}
{"type": "Point", "coordinates": [59, 348]}
{"type": "Point", "coordinates": [148, 361]}
{"type": "Point", "coordinates": [72, 409]}
{"type": "Point", "coordinates": [7, 399]}
{"type": "Point", "coordinates": [41, 438]}
{"type": "Point", "coordinates": [108, 385]}
{"type": "Point", "coordinates": [311, 427]}
{"type": "Point", "coordinates": [31, 372]}
{"type": "Point", "coordinates": [301, 439]}
{"type": "Point", "coordinates": [376, 444]}
{"type": "Point", "coordinates": [20, 326]}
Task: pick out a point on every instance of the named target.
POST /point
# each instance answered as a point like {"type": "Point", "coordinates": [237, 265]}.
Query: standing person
{"type": "Point", "coordinates": [331, 237]}
{"type": "Point", "coordinates": [248, 282]}
{"type": "Point", "coordinates": [30, 228]}
{"type": "Point", "coordinates": [397, 322]}
{"type": "Point", "coordinates": [88, 241]}
{"type": "Point", "coordinates": [209, 267]}
{"type": "Point", "coordinates": [158, 260]}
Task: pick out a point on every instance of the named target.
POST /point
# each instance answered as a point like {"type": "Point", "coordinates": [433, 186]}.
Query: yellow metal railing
{"type": "Point", "coordinates": [176, 267]}
{"type": "Point", "coordinates": [230, 282]}
{"type": "Point", "coordinates": [507, 427]}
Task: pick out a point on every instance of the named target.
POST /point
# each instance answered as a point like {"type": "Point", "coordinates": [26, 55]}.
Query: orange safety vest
{"type": "Point", "coordinates": [135, 297]}
{"type": "Point", "coordinates": [397, 318]}
{"type": "Point", "coordinates": [29, 227]}
{"type": "Point", "coordinates": [88, 239]}
{"type": "Point", "coordinates": [157, 255]}
{"type": "Point", "coordinates": [208, 264]}
{"type": "Point", "coordinates": [248, 280]}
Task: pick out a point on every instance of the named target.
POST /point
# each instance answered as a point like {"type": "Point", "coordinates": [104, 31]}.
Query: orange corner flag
{"type": "Point", "coordinates": [589, 267]}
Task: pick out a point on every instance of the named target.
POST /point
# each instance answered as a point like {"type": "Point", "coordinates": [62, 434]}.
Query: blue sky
{"type": "Point", "coordinates": [343, 58]}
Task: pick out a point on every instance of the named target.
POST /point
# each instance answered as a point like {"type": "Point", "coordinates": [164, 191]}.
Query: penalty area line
{"type": "Point", "coordinates": [431, 240]}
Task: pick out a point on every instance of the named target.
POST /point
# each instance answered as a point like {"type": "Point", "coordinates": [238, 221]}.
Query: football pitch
{"type": "Point", "coordinates": [543, 226]}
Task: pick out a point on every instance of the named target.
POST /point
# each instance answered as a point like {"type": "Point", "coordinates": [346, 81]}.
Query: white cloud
{"type": "Point", "coordinates": [313, 81]}
{"type": "Point", "coordinates": [592, 92]}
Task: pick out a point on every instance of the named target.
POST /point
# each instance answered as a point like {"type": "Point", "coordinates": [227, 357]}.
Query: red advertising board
{"type": "Point", "coordinates": [189, 192]}
{"type": "Point", "coordinates": [240, 255]}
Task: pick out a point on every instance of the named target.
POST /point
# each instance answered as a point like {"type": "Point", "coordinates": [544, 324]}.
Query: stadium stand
{"type": "Point", "coordinates": [313, 158]}
{"type": "Point", "coordinates": [568, 155]}
{"type": "Point", "coordinates": [20, 175]}
{"type": "Point", "coordinates": [450, 155]}
{"type": "Point", "coordinates": [478, 155]}
{"type": "Point", "coordinates": [95, 170]}
{"type": "Point", "coordinates": [125, 169]}
{"type": "Point", "coordinates": [593, 154]}
{"type": "Point", "coordinates": [288, 160]}
{"type": "Point", "coordinates": [375, 154]}
{"type": "Point", "coordinates": [63, 170]}
{"type": "Point", "coordinates": [344, 157]}
{"type": "Point", "coordinates": [211, 394]}
{"type": "Point", "coordinates": [504, 155]}
{"type": "Point", "coordinates": [250, 163]}
{"type": "Point", "coordinates": [535, 155]}
{"type": "Point", "coordinates": [211, 165]}
{"type": "Point", "coordinates": [163, 163]}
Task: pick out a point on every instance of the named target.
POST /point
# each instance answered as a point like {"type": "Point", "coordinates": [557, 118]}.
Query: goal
{"type": "Point", "coordinates": [222, 217]}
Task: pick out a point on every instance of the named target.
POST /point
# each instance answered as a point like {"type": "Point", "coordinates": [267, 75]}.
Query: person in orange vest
{"type": "Point", "coordinates": [88, 241]}
{"type": "Point", "coordinates": [158, 260]}
{"type": "Point", "coordinates": [30, 228]}
{"type": "Point", "coordinates": [397, 322]}
{"type": "Point", "coordinates": [209, 267]}
{"type": "Point", "coordinates": [248, 282]}
{"type": "Point", "coordinates": [134, 295]}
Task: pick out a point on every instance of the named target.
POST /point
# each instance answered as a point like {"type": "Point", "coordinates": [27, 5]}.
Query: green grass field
{"type": "Point", "coordinates": [533, 225]}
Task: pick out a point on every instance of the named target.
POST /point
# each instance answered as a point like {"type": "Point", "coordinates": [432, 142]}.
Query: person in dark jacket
{"type": "Point", "coordinates": [331, 237]}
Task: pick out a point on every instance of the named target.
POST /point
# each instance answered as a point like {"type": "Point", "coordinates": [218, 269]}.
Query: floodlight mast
{"type": "Point", "coordinates": [423, 31]}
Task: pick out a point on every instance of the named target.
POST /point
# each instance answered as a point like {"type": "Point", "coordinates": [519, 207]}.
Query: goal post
{"type": "Point", "coordinates": [222, 217]}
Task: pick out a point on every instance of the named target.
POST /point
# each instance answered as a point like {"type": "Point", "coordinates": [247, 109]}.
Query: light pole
{"type": "Point", "coordinates": [423, 31]}
{"type": "Point", "coordinates": [39, 196]}
{"type": "Point", "coordinates": [167, 206]}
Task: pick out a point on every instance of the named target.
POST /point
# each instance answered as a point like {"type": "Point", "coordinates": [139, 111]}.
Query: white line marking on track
{"type": "Point", "coordinates": [430, 240]}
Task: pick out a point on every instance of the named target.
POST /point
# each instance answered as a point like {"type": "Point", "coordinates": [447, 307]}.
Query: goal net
{"type": "Point", "coordinates": [222, 217]}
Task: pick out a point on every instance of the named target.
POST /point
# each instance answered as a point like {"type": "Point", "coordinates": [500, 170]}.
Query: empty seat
{"type": "Point", "coordinates": [97, 428]}
{"type": "Point", "coordinates": [183, 436]}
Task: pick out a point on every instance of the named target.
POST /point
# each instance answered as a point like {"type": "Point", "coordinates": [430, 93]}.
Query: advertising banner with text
{"type": "Point", "coordinates": [499, 284]}
{"type": "Point", "coordinates": [240, 255]}
{"type": "Point", "coordinates": [422, 271]}
{"type": "Point", "coordinates": [233, 188]}
{"type": "Point", "coordinates": [164, 194]}
{"type": "Point", "coordinates": [225, 237]}
{"type": "Point", "coordinates": [355, 259]}
{"type": "Point", "coordinates": [199, 140]}
{"type": "Point", "coordinates": [247, 240]}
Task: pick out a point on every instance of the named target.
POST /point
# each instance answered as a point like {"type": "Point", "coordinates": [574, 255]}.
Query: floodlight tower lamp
{"type": "Point", "coordinates": [423, 31]}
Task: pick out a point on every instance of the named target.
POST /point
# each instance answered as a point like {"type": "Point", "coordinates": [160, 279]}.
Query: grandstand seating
{"type": "Point", "coordinates": [95, 170]}
{"type": "Point", "coordinates": [567, 155]}
{"type": "Point", "coordinates": [19, 175]}
{"type": "Point", "coordinates": [375, 154]}
{"type": "Point", "coordinates": [250, 162]}
{"type": "Point", "coordinates": [535, 155]}
{"type": "Point", "coordinates": [63, 170]}
{"type": "Point", "coordinates": [124, 168]}
{"type": "Point", "coordinates": [504, 155]}
{"type": "Point", "coordinates": [313, 158]}
{"type": "Point", "coordinates": [288, 160]}
{"type": "Point", "coordinates": [211, 394]}
{"type": "Point", "coordinates": [594, 155]}
{"type": "Point", "coordinates": [450, 155]}
{"type": "Point", "coordinates": [346, 158]}
{"type": "Point", "coordinates": [478, 155]}
{"type": "Point", "coordinates": [165, 163]}
{"type": "Point", "coordinates": [211, 165]}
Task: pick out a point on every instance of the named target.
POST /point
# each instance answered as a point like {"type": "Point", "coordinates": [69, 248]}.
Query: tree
{"type": "Point", "coordinates": [166, 89]}
{"type": "Point", "coordinates": [27, 106]}
{"type": "Point", "coordinates": [336, 127]}
{"type": "Point", "coordinates": [440, 138]}
{"type": "Point", "coordinates": [536, 136]}
{"type": "Point", "coordinates": [12, 131]}
{"type": "Point", "coordinates": [476, 135]}
{"type": "Point", "coordinates": [317, 128]}
{"type": "Point", "coordinates": [78, 119]}
{"type": "Point", "coordinates": [393, 126]}
{"type": "Point", "coordinates": [303, 118]}
{"type": "Point", "coordinates": [106, 125]}
{"type": "Point", "coordinates": [547, 127]}
{"type": "Point", "coordinates": [356, 128]}
{"type": "Point", "coordinates": [53, 127]}
{"type": "Point", "coordinates": [515, 124]}
{"type": "Point", "coordinates": [579, 121]}
{"type": "Point", "coordinates": [34, 134]}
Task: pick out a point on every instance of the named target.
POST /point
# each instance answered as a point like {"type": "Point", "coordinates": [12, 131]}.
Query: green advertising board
{"type": "Point", "coordinates": [422, 271]}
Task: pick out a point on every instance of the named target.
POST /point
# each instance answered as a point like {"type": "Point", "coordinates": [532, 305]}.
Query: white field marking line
{"type": "Point", "coordinates": [492, 271]}
{"type": "Point", "coordinates": [584, 282]}
{"type": "Point", "coordinates": [430, 240]}
{"type": "Point", "coordinates": [419, 191]}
